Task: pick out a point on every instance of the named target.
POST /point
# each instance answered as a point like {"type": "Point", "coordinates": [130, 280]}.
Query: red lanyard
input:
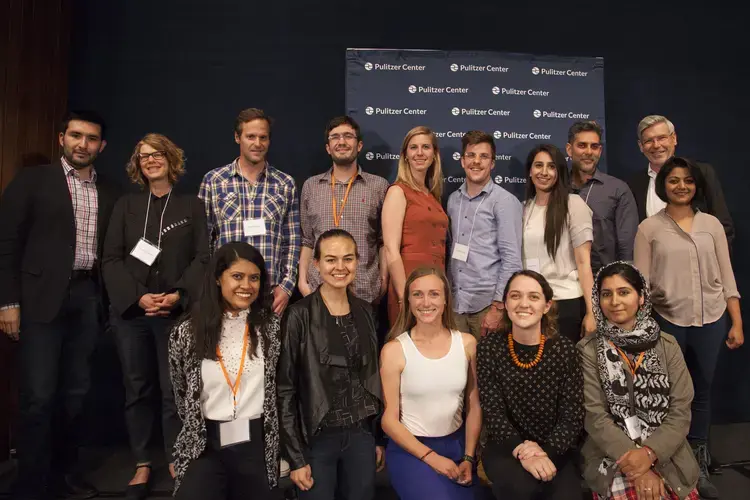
{"type": "Point", "coordinates": [236, 386]}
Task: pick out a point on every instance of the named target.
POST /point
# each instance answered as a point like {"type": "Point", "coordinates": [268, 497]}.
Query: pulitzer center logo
{"type": "Point", "coordinates": [455, 111]}
{"type": "Point", "coordinates": [498, 179]}
{"type": "Point", "coordinates": [534, 70]}
{"type": "Point", "coordinates": [368, 66]}
{"type": "Point", "coordinates": [497, 134]}
{"type": "Point", "coordinates": [454, 67]}
{"type": "Point", "coordinates": [369, 110]}
{"type": "Point", "coordinates": [537, 113]}
{"type": "Point", "coordinates": [456, 156]}
{"type": "Point", "coordinates": [495, 90]}
{"type": "Point", "coordinates": [412, 89]}
{"type": "Point", "coordinates": [369, 155]}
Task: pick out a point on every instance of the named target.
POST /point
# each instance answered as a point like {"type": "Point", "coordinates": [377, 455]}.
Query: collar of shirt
{"type": "Point", "coordinates": [69, 170]}
{"type": "Point", "coordinates": [327, 176]}
{"type": "Point", "coordinates": [651, 172]}
{"type": "Point", "coordinates": [236, 170]}
{"type": "Point", "coordinates": [598, 177]}
{"type": "Point", "coordinates": [487, 188]}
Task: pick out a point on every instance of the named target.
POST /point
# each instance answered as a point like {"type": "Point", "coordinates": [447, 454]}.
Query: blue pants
{"type": "Point", "coordinates": [701, 346]}
{"type": "Point", "coordinates": [415, 480]}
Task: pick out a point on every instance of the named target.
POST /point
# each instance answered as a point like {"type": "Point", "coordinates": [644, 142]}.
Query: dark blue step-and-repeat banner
{"type": "Point", "coordinates": [521, 99]}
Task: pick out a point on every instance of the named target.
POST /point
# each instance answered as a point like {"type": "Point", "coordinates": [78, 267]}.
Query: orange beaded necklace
{"type": "Point", "coordinates": [514, 356]}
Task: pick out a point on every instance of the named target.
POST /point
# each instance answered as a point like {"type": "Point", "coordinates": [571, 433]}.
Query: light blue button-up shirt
{"type": "Point", "coordinates": [490, 223]}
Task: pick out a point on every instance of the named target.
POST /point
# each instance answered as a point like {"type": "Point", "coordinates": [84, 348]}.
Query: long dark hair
{"type": "Point", "coordinates": [549, 320]}
{"type": "Point", "coordinates": [557, 208]}
{"type": "Point", "coordinates": [208, 312]}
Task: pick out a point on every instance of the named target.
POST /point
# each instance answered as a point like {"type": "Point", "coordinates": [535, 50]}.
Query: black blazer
{"type": "Point", "coordinates": [304, 378]}
{"type": "Point", "coordinates": [181, 263]}
{"type": "Point", "coordinates": [38, 237]}
{"type": "Point", "coordinates": [715, 203]}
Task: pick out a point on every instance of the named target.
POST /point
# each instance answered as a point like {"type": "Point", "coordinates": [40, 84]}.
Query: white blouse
{"type": "Point", "coordinates": [216, 397]}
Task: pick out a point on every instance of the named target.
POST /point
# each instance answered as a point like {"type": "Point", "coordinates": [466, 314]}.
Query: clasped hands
{"type": "Point", "coordinates": [636, 466]}
{"type": "Point", "coordinates": [159, 304]}
{"type": "Point", "coordinates": [535, 460]}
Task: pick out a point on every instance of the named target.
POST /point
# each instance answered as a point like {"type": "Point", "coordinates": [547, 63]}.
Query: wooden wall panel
{"type": "Point", "coordinates": [34, 46]}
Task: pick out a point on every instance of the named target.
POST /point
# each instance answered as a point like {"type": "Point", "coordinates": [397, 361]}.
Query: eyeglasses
{"type": "Point", "coordinates": [484, 157]}
{"type": "Point", "coordinates": [337, 137]}
{"type": "Point", "coordinates": [156, 155]}
{"type": "Point", "coordinates": [656, 140]}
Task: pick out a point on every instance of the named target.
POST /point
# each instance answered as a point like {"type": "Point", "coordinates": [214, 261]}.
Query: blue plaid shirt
{"type": "Point", "coordinates": [230, 199]}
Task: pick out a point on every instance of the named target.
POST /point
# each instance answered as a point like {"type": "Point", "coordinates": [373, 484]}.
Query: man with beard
{"type": "Point", "coordinates": [615, 215]}
{"type": "Point", "coordinates": [657, 140]}
{"type": "Point", "coordinates": [347, 198]}
{"type": "Point", "coordinates": [52, 222]}
{"type": "Point", "coordinates": [249, 200]}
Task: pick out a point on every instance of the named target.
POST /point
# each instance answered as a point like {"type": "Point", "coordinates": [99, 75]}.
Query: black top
{"type": "Point", "coordinates": [350, 403]}
{"type": "Point", "coordinates": [542, 404]}
{"type": "Point", "coordinates": [178, 267]}
{"type": "Point", "coordinates": [38, 238]}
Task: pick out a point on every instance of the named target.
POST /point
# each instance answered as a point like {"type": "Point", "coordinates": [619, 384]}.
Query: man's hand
{"type": "Point", "coordinates": [280, 300]}
{"type": "Point", "coordinates": [166, 303]}
{"type": "Point", "coordinates": [491, 321]}
{"type": "Point", "coordinates": [302, 478]}
{"type": "Point", "coordinates": [379, 458]}
{"type": "Point", "coordinates": [635, 463]}
{"type": "Point", "coordinates": [150, 303]}
{"type": "Point", "coordinates": [10, 322]}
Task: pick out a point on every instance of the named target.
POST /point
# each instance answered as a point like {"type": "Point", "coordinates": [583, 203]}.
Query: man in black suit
{"type": "Point", "coordinates": [657, 140]}
{"type": "Point", "coordinates": [52, 225]}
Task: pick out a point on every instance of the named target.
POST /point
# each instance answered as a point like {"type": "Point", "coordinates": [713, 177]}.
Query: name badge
{"type": "Point", "coordinates": [533, 265]}
{"type": "Point", "coordinates": [461, 252]}
{"type": "Point", "coordinates": [633, 425]}
{"type": "Point", "coordinates": [254, 227]}
{"type": "Point", "coordinates": [234, 432]}
{"type": "Point", "coordinates": [145, 252]}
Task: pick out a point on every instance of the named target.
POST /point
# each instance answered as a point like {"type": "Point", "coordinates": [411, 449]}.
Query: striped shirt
{"type": "Point", "coordinates": [360, 217]}
{"type": "Point", "coordinates": [230, 199]}
{"type": "Point", "coordinates": [85, 199]}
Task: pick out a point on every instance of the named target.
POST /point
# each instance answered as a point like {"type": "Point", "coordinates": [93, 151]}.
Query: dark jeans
{"type": "Point", "coordinates": [570, 313]}
{"type": "Point", "coordinates": [512, 482]}
{"type": "Point", "coordinates": [139, 341]}
{"type": "Point", "coordinates": [342, 460]}
{"type": "Point", "coordinates": [54, 378]}
{"type": "Point", "coordinates": [235, 473]}
{"type": "Point", "coordinates": [701, 346]}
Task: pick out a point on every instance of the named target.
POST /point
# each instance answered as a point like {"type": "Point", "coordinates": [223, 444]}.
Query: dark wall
{"type": "Point", "coordinates": [186, 68]}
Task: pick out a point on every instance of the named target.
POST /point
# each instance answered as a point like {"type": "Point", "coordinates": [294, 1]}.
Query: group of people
{"type": "Point", "coordinates": [478, 379]}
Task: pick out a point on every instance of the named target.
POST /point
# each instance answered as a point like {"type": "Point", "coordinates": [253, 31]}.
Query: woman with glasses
{"type": "Point", "coordinates": [155, 251]}
{"type": "Point", "coordinates": [414, 222]}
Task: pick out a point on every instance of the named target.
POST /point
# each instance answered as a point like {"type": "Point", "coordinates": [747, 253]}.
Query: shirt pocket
{"type": "Point", "coordinates": [229, 206]}
{"type": "Point", "coordinates": [274, 208]}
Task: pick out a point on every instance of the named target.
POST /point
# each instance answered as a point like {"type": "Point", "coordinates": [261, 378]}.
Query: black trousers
{"type": "Point", "coordinates": [570, 313]}
{"type": "Point", "coordinates": [54, 378]}
{"type": "Point", "coordinates": [143, 347]}
{"type": "Point", "coordinates": [510, 481]}
{"type": "Point", "coordinates": [234, 473]}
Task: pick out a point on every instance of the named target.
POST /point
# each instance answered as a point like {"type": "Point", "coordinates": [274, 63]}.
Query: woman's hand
{"type": "Point", "coordinates": [302, 478]}
{"type": "Point", "coordinates": [635, 463]}
{"type": "Point", "coordinates": [589, 325]}
{"type": "Point", "coordinates": [736, 336]}
{"type": "Point", "coordinates": [442, 465]}
{"type": "Point", "coordinates": [541, 468]}
{"type": "Point", "coordinates": [650, 487]}
{"type": "Point", "coordinates": [464, 473]}
{"type": "Point", "coordinates": [528, 449]}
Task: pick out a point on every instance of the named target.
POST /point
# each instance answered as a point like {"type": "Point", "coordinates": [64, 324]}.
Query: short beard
{"type": "Point", "coordinates": [579, 167]}
{"type": "Point", "coordinates": [344, 162]}
{"type": "Point", "coordinates": [77, 164]}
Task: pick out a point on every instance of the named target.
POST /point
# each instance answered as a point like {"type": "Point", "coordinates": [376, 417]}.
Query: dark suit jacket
{"type": "Point", "coordinates": [715, 203]}
{"type": "Point", "coordinates": [38, 237]}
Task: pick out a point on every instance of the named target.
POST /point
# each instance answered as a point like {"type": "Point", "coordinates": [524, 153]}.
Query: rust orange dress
{"type": "Point", "coordinates": [422, 238]}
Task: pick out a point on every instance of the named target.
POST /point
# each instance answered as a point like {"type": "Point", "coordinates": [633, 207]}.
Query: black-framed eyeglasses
{"type": "Point", "coordinates": [156, 155]}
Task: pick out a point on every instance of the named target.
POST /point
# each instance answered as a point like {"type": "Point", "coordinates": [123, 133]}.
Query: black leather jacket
{"type": "Point", "coordinates": [304, 378]}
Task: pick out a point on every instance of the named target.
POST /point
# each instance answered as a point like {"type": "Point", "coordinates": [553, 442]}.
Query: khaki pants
{"type": "Point", "coordinates": [472, 323]}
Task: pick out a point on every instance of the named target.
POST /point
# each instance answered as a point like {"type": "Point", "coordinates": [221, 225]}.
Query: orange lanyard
{"type": "Point", "coordinates": [633, 368]}
{"type": "Point", "coordinates": [337, 218]}
{"type": "Point", "coordinates": [236, 386]}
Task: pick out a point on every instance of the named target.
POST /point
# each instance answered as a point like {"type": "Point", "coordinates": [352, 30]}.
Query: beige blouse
{"type": "Point", "coordinates": [690, 274]}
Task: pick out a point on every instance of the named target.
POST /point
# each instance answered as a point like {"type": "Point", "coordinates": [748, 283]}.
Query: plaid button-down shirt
{"type": "Point", "coordinates": [360, 217]}
{"type": "Point", "coordinates": [85, 199]}
{"type": "Point", "coordinates": [230, 199]}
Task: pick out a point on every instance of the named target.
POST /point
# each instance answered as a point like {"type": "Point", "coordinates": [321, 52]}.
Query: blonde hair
{"type": "Point", "coordinates": [175, 159]}
{"type": "Point", "coordinates": [406, 319]}
{"type": "Point", "coordinates": [652, 120]}
{"type": "Point", "coordinates": [434, 177]}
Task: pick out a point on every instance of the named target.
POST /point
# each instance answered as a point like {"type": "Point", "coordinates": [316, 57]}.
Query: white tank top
{"type": "Point", "coordinates": [432, 390]}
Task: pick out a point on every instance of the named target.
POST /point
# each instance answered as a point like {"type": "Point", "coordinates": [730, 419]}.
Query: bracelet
{"type": "Point", "coordinates": [650, 454]}
{"type": "Point", "coordinates": [468, 458]}
{"type": "Point", "coordinates": [425, 455]}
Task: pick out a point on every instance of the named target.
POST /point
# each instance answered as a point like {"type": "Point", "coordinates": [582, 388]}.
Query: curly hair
{"type": "Point", "coordinates": [174, 155]}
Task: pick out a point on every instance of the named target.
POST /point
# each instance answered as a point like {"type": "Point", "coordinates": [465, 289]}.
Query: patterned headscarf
{"type": "Point", "coordinates": [650, 385]}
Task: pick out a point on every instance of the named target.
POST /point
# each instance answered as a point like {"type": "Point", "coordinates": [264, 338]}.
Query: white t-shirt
{"type": "Point", "coordinates": [561, 272]}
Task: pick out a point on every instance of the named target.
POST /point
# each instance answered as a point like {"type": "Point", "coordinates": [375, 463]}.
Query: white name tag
{"type": "Point", "coordinates": [533, 265]}
{"type": "Point", "coordinates": [254, 227]}
{"type": "Point", "coordinates": [633, 425]}
{"type": "Point", "coordinates": [145, 252]}
{"type": "Point", "coordinates": [460, 252]}
{"type": "Point", "coordinates": [234, 432]}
